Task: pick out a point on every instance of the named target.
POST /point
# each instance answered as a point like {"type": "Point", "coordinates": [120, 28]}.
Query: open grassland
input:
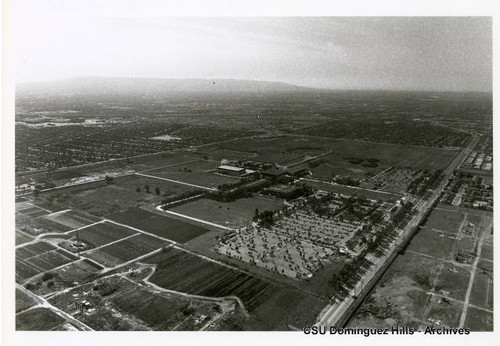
{"type": "Point", "coordinates": [234, 214]}
{"type": "Point", "coordinates": [290, 149]}
{"type": "Point", "coordinates": [428, 283]}
{"type": "Point", "coordinates": [124, 192]}
{"type": "Point", "coordinates": [159, 225]}
{"type": "Point", "coordinates": [479, 320]}
{"type": "Point", "coordinates": [445, 220]}
{"type": "Point", "coordinates": [482, 288]}
{"type": "Point", "coordinates": [410, 294]}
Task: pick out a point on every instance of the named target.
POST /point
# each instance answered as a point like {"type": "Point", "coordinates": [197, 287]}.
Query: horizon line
{"type": "Point", "coordinates": [325, 89]}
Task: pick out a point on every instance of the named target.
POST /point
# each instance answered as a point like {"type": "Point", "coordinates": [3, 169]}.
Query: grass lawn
{"type": "Point", "coordinates": [232, 214]}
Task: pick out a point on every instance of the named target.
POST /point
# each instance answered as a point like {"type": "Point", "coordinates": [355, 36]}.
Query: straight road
{"type": "Point", "coordinates": [331, 316]}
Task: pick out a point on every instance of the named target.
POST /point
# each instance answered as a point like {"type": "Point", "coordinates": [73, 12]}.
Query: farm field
{"type": "Point", "coordinates": [231, 214]}
{"type": "Point", "coordinates": [71, 218]}
{"type": "Point", "coordinates": [23, 301]}
{"type": "Point", "coordinates": [28, 211]}
{"type": "Point", "coordinates": [124, 302]}
{"type": "Point", "coordinates": [102, 233]}
{"type": "Point", "coordinates": [271, 306]}
{"type": "Point", "coordinates": [162, 226]}
{"type": "Point", "coordinates": [22, 238]}
{"type": "Point", "coordinates": [183, 272]}
{"type": "Point", "coordinates": [38, 319]}
{"type": "Point", "coordinates": [70, 275]}
{"type": "Point", "coordinates": [125, 250]}
{"type": "Point", "coordinates": [164, 311]}
{"type": "Point", "coordinates": [38, 257]}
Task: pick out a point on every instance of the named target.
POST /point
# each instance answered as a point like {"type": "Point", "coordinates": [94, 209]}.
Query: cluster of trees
{"type": "Point", "coordinates": [422, 184]}
{"type": "Point", "coordinates": [181, 198]}
{"type": "Point", "coordinates": [147, 189]}
{"type": "Point", "coordinates": [342, 282]}
{"type": "Point", "coordinates": [265, 218]}
{"type": "Point", "coordinates": [229, 196]}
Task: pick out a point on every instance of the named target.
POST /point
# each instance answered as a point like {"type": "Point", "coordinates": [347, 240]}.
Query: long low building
{"type": "Point", "coordinates": [231, 170]}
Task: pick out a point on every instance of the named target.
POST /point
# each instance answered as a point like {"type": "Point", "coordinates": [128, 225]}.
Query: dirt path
{"type": "Point", "coordinates": [473, 274]}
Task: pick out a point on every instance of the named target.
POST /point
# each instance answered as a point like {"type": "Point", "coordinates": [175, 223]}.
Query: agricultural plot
{"type": "Point", "coordinates": [38, 319]}
{"type": "Point", "coordinates": [162, 312]}
{"type": "Point", "coordinates": [70, 275]}
{"type": "Point", "coordinates": [22, 238]}
{"type": "Point", "coordinates": [119, 303]}
{"type": "Point", "coordinates": [39, 257]}
{"type": "Point", "coordinates": [89, 303]}
{"type": "Point", "coordinates": [35, 227]}
{"type": "Point", "coordinates": [101, 233]}
{"type": "Point", "coordinates": [125, 250]}
{"type": "Point", "coordinates": [28, 210]}
{"type": "Point", "coordinates": [285, 255]}
{"type": "Point", "coordinates": [234, 214]}
{"type": "Point", "coordinates": [72, 218]}
{"type": "Point", "coordinates": [183, 272]}
{"type": "Point", "coordinates": [162, 226]}
{"type": "Point", "coordinates": [23, 301]}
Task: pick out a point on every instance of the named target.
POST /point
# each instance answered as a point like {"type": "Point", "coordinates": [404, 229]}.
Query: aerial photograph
{"type": "Point", "coordinates": [254, 174]}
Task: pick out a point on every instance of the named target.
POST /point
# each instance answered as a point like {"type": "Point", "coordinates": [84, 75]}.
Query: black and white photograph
{"type": "Point", "coordinates": [328, 175]}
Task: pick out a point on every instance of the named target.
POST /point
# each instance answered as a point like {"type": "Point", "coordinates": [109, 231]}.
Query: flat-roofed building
{"type": "Point", "coordinates": [231, 170]}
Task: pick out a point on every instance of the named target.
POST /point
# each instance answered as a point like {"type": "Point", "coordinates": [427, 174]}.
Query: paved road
{"type": "Point", "coordinates": [330, 316]}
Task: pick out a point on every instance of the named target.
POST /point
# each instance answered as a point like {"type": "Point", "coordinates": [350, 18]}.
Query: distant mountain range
{"type": "Point", "coordinates": [105, 85]}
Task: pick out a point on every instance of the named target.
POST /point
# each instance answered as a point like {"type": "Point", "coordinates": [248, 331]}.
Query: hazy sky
{"type": "Point", "coordinates": [433, 53]}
